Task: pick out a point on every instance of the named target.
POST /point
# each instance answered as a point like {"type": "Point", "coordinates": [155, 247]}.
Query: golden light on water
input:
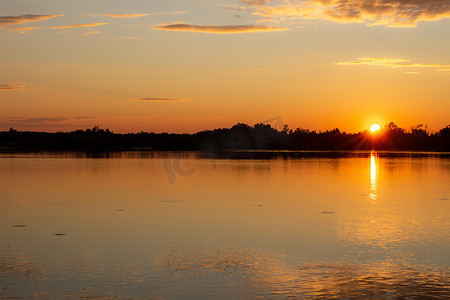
{"type": "Point", "coordinates": [373, 176]}
{"type": "Point", "coordinates": [375, 127]}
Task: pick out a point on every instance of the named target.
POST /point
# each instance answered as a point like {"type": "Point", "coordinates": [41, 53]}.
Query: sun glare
{"type": "Point", "coordinates": [375, 128]}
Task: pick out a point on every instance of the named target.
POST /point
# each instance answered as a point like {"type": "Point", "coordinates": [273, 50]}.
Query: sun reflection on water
{"type": "Point", "coordinates": [373, 175]}
{"type": "Point", "coordinates": [264, 275]}
{"type": "Point", "coordinates": [266, 237]}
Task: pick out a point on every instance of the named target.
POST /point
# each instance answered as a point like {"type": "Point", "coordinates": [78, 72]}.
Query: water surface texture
{"type": "Point", "coordinates": [155, 225]}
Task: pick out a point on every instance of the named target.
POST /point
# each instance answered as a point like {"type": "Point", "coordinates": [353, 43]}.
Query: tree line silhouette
{"type": "Point", "coordinates": [240, 136]}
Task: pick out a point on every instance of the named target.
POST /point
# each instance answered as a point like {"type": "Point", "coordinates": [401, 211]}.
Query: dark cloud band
{"type": "Point", "coordinates": [13, 86]}
{"type": "Point", "coordinates": [14, 20]}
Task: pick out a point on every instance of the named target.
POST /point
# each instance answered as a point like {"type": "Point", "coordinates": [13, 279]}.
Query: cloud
{"type": "Point", "coordinates": [13, 86]}
{"type": "Point", "coordinates": [158, 99]}
{"type": "Point", "coordinates": [80, 25]}
{"type": "Point", "coordinates": [91, 32]}
{"type": "Point", "coordinates": [126, 15]}
{"type": "Point", "coordinates": [254, 2]}
{"type": "Point", "coordinates": [27, 121]}
{"type": "Point", "coordinates": [390, 63]}
{"type": "Point", "coordinates": [21, 29]}
{"type": "Point", "coordinates": [168, 13]}
{"type": "Point", "coordinates": [14, 20]}
{"type": "Point", "coordinates": [19, 122]}
{"type": "Point", "coordinates": [389, 13]}
{"type": "Point", "coordinates": [235, 7]}
{"type": "Point", "coordinates": [146, 14]}
{"type": "Point", "coordinates": [37, 122]}
{"type": "Point", "coordinates": [219, 29]}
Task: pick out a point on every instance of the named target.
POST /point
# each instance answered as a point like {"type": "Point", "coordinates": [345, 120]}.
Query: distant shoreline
{"type": "Point", "coordinates": [259, 137]}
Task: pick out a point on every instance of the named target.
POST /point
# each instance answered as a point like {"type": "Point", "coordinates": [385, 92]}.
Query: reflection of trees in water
{"type": "Point", "coordinates": [266, 276]}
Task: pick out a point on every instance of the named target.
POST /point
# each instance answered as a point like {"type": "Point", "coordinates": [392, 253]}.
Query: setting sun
{"type": "Point", "coordinates": [375, 128]}
{"type": "Point", "coordinates": [277, 128]}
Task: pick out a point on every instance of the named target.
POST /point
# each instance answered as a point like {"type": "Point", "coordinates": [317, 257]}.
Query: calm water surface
{"type": "Point", "coordinates": [149, 225]}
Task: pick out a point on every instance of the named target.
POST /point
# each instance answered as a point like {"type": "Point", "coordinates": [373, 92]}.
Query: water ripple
{"type": "Point", "coordinates": [267, 277]}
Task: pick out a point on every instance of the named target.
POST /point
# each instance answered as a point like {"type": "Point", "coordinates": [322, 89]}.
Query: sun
{"type": "Point", "coordinates": [374, 128]}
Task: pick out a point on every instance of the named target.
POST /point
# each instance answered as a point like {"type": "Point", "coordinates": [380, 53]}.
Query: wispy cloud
{"type": "Point", "coordinates": [159, 99]}
{"type": "Point", "coordinates": [21, 29]}
{"type": "Point", "coordinates": [390, 63]}
{"type": "Point", "coordinates": [241, 8]}
{"type": "Point", "coordinates": [39, 122]}
{"type": "Point", "coordinates": [126, 15]}
{"type": "Point", "coordinates": [14, 20]}
{"type": "Point", "coordinates": [13, 86]}
{"type": "Point", "coordinates": [91, 33]}
{"type": "Point", "coordinates": [254, 2]}
{"type": "Point", "coordinates": [168, 12]}
{"type": "Point", "coordinates": [137, 15]}
{"type": "Point", "coordinates": [80, 25]}
{"type": "Point", "coordinates": [219, 29]}
{"type": "Point", "coordinates": [44, 122]}
{"type": "Point", "coordinates": [31, 122]}
{"type": "Point", "coordinates": [390, 13]}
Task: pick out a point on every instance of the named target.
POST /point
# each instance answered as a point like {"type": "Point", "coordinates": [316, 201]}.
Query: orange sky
{"type": "Point", "coordinates": [190, 65]}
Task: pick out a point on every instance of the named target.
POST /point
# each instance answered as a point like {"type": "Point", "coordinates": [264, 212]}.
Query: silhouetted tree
{"type": "Point", "coordinates": [239, 136]}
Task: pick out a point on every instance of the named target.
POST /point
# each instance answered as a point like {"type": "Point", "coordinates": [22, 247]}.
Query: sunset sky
{"type": "Point", "coordinates": [190, 65]}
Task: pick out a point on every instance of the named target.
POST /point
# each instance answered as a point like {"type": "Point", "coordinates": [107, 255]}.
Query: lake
{"type": "Point", "coordinates": [241, 225]}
